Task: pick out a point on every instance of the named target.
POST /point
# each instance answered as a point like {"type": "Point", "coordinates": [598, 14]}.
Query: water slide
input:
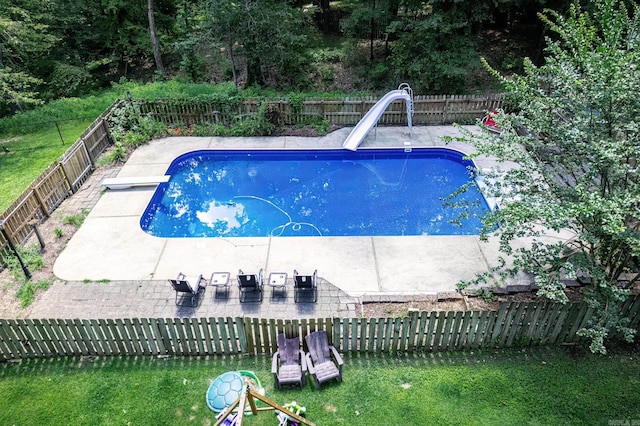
{"type": "Point", "coordinates": [370, 119]}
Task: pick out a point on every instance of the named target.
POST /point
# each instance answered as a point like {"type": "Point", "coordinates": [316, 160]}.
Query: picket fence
{"type": "Point", "coordinates": [513, 324]}
{"type": "Point", "coordinates": [428, 110]}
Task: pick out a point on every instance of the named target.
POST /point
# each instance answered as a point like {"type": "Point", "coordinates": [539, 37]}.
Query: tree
{"type": "Point", "coordinates": [25, 38]}
{"type": "Point", "coordinates": [270, 36]}
{"type": "Point", "coordinates": [154, 38]}
{"type": "Point", "coordinates": [574, 133]}
{"type": "Point", "coordinates": [435, 54]}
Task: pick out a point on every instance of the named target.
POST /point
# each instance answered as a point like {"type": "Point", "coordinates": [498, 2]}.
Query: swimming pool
{"type": "Point", "coordinates": [369, 192]}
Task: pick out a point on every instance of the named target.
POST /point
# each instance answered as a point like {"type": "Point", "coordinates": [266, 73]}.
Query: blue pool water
{"type": "Point", "coordinates": [314, 193]}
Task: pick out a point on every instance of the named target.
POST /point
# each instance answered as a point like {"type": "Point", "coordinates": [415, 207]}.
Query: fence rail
{"type": "Point", "coordinates": [61, 179]}
{"type": "Point", "coordinates": [513, 324]}
{"type": "Point", "coordinates": [428, 110]}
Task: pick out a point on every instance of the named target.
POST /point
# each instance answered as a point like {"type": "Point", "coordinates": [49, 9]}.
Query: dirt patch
{"type": "Point", "coordinates": [466, 303]}
{"type": "Point", "coordinates": [55, 232]}
{"type": "Point", "coordinates": [401, 309]}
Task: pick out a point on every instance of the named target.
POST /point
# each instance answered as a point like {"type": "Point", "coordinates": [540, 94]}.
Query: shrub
{"type": "Point", "coordinates": [131, 128]}
{"type": "Point", "coordinates": [118, 153]}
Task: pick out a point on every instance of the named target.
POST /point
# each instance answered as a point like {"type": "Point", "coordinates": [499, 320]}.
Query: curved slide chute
{"type": "Point", "coordinates": [370, 119]}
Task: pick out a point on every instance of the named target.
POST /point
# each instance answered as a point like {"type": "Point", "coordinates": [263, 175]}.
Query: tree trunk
{"type": "Point", "coordinates": [372, 27]}
{"type": "Point", "coordinates": [232, 59]}
{"type": "Point", "coordinates": [154, 38]}
{"type": "Point", "coordinates": [254, 73]}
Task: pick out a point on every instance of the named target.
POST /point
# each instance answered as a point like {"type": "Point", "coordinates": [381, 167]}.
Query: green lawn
{"type": "Point", "coordinates": [29, 155]}
{"type": "Point", "coordinates": [531, 386]}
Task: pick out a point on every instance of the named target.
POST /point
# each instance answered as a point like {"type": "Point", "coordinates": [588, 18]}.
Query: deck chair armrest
{"type": "Point", "coordinates": [202, 282]}
{"type": "Point", "coordinates": [310, 367]}
{"type": "Point", "coordinates": [274, 362]}
{"type": "Point", "coordinates": [303, 361]}
{"type": "Point", "coordinates": [181, 276]}
{"type": "Point", "coordinates": [337, 357]}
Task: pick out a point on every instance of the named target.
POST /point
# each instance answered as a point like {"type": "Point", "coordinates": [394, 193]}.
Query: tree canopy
{"type": "Point", "coordinates": [573, 130]}
{"type": "Point", "coordinates": [64, 48]}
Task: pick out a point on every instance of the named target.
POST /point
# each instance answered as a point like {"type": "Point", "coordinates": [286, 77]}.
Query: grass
{"type": "Point", "coordinates": [76, 219]}
{"type": "Point", "coordinates": [31, 256]}
{"type": "Point", "coordinates": [27, 292]}
{"type": "Point", "coordinates": [29, 155]}
{"type": "Point", "coordinates": [506, 387]}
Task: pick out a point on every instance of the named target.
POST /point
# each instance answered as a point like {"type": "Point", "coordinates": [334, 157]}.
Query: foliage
{"type": "Point", "coordinates": [29, 155]}
{"type": "Point", "coordinates": [539, 386]}
{"type": "Point", "coordinates": [55, 48]}
{"type": "Point", "coordinates": [269, 35]}
{"type": "Point", "coordinates": [27, 291]}
{"type": "Point", "coordinates": [131, 128]}
{"type": "Point", "coordinates": [572, 201]}
{"type": "Point", "coordinates": [76, 219]}
{"type": "Point", "coordinates": [68, 80]}
{"type": "Point", "coordinates": [32, 137]}
{"type": "Point", "coordinates": [25, 38]}
{"type": "Point", "coordinates": [117, 154]}
{"type": "Point", "coordinates": [260, 124]}
{"type": "Point", "coordinates": [87, 108]}
{"type": "Point", "coordinates": [320, 125]}
{"type": "Point", "coordinates": [435, 54]}
{"type": "Point", "coordinates": [192, 58]}
{"type": "Point", "coordinates": [17, 91]}
{"type": "Point", "coordinates": [31, 257]}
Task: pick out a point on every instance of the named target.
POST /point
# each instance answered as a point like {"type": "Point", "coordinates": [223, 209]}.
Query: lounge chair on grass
{"type": "Point", "coordinates": [189, 286]}
{"type": "Point", "coordinates": [289, 364]}
{"type": "Point", "coordinates": [323, 360]}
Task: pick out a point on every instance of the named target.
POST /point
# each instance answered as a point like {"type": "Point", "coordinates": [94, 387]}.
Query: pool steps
{"type": "Point", "coordinates": [131, 181]}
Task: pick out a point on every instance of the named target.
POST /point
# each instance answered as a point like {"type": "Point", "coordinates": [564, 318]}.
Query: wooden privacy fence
{"type": "Point", "coordinates": [513, 324]}
{"type": "Point", "coordinates": [428, 110]}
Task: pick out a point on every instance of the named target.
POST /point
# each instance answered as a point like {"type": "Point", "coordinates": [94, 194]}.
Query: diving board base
{"type": "Point", "coordinates": [129, 182]}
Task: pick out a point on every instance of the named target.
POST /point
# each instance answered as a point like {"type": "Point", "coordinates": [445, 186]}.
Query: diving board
{"type": "Point", "coordinates": [370, 119]}
{"type": "Point", "coordinates": [131, 181]}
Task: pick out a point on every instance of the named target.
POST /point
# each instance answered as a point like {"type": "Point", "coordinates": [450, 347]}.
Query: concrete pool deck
{"type": "Point", "coordinates": [111, 246]}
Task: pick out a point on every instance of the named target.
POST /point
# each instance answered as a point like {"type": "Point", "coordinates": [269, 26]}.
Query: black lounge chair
{"type": "Point", "coordinates": [289, 364]}
{"type": "Point", "coordinates": [305, 284]}
{"type": "Point", "coordinates": [250, 283]}
{"type": "Point", "coordinates": [323, 360]}
{"type": "Point", "coordinates": [191, 286]}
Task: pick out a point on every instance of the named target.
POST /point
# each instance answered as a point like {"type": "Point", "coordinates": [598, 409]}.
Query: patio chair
{"type": "Point", "coordinates": [250, 283]}
{"type": "Point", "coordinates": [305, 284]}
{"type": "Point", "coordinates": [322, 358]}
{"type": "Point", "coordinates": [191, 286]}
{"type": "Point", "coordinates": [289, 364]}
